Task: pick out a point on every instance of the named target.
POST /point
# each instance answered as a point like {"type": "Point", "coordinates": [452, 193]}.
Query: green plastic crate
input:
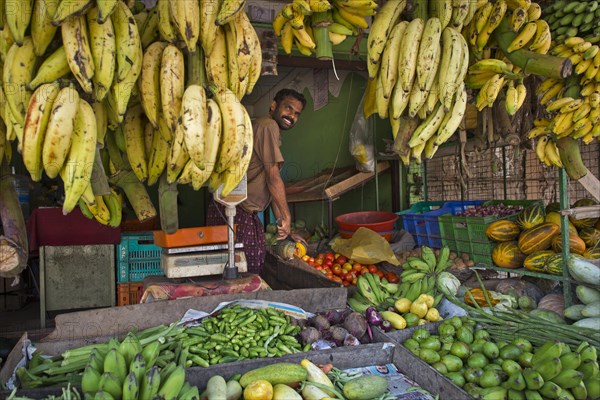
{"type": "Point", "coordinates": [137, 257]}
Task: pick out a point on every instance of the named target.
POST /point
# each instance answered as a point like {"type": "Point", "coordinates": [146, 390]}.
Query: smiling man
{"type": "Point", "coordinates": [265, 185]}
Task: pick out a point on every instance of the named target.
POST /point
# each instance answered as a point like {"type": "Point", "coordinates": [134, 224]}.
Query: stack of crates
{"type": "Point", "coordinates": [422, 220]}
{"type": "Point", "coordinates": [137, 258]}
{"type": "Point", "coordinates": [467, 234]}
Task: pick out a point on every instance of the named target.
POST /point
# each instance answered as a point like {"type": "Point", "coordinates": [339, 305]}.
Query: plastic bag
{"type": "Point", "coordinates": [366, 247]}
{"type": "Point", "coordinates": [361, 141]}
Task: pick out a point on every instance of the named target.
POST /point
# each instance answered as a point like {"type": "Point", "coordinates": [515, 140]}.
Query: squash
{"type": "Point", "coordinates": [585, 222]}
{"type": "Point", "coordinates": [556, 218]}
{"type": "Point", "coordinates": [365, 387]}
{"type": "Point", "coordinates": [479, 297]}
{"type": "Point", "coordinates": [538, 238]}
{"type": "Point", "coordinates": [553, 302]}
{"type": "Point", "coordinates": [576, 244]}
{"type": "Point", "coordinates": [285, 373]}
{"type": "Point", "coordinates": [549, 264]}
{"type": "Point", "coordinates": [530, 217]}
{"type": "Point", "coordinates": [590, 236]}
{"type": "Point", "coordinates": [583, 271]}
{"type": "Point", "coordinates": [592, 253]}
{"type": "Point", "coordinates": [508, 255]}
{"type": "Point", "coordinates": [537, 260]}
{"type": "Point", "coordinates": [502, 231]}
{"type": "Point", "coordinates": [553, 207]}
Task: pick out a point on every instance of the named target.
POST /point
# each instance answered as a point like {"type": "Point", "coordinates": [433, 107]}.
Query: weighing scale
{"type": "Point", "coordinates": [201, 251]}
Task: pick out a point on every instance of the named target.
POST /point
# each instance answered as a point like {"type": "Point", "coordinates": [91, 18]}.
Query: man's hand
{"type": "Point", "coordinates": [284, 228]}
{"type": "Point", "coordinates": [298, 238]}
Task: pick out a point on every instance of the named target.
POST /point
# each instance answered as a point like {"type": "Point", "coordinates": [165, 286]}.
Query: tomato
{"type": "Point", "coordinates": [372, 268]}
{"type": "Point", "coordinates": [327, 262]}
{"type": "Point", "coordinates": [329, 276]}
{"type": "Point", "coordinates": [347, 267]}
{"type": "Point", "coordinates": [311, 260]}
{"type": "Point", "coordinates": [392, 277]}
{"type": "Point", "coordinates": [380, 274]}
{"type": "Point", "coordinates": [364, 270]}
{"type": "Point", "coordinates": [319, 261]}
{"type": "Point", "coordinates": [329, 256]}
{"type": "Point", "coordinates": [337, 279]}
{"type": "Point", "coordinates": [357, 263]}
{"type": "Point", "coordinates": [346, 283]}
{"type": "Point", "coordinates": [341, 260]}
{"type": "Point", "coordinates": [357, 267]}
{"type": "Point", "coordinates": [321, 256]}
{"type": "Point", "coordinates": [336, 269]}
{"type": "Point", "coordinates": [319, 267]}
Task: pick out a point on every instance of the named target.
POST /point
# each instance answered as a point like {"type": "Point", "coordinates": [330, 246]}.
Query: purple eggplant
{"type": "Point", "coordinates": [386, 326]}
{"type": "Point", "coordinates": [373, 317]}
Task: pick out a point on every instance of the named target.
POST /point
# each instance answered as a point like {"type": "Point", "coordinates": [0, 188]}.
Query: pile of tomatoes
{"type": "Point", "coordinates": [342, 270]}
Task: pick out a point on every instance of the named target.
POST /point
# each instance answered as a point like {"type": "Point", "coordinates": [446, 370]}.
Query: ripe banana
{"type": "Point", "coordinates": [78, 167]}
{"type": "Point", "coordinates": [389, 58]}
{"type": "Point", "coordinates": [105, 9]}
{"type": "Point", "coordinates": [186, 18]}
{"type": "Point", "coordinates": [42, 30]}
{"type": "Point", "coordinates": [232, 138]}
{"type": "Point", "coordinates": [103, 48]}
{"type": "Point", "coordinates": [172, 84]}
{"type": "Point", "coordinates": [36, 122]}
{"type": "Point", "coordinates": [18, 71]}
{"type": "Point", "coordinates": [54, 67]}
{"type": "Point", "coordinates": [233, 176]}
{"type": "Point", "coordinates": [229, 10]}
{"type": "Point", "coordinates": [157, 157]}
{"type": "Point", "coordinates": [429, 51]}
{"type": "Point", "coordinates": [167, 31]}
{"type": "Point", "coordinates": [193, 123]}
{"type": "Point", "coordinates": [407, 56]}
{"type": "Point", "coordinates": [133, 132]}
{"type": "Point", "coordinates": [70, 8]}
{"type": "Point", "coordinates": [428, 127]}
{"type": "Point", "coordinates": [216, 64]}
{"type": "Point", "coordinates": [79, 54]}
{"type": "Point", "coordinates": [379, 32]}
{"type": "Point", "coordinates": [127, 39]}
{"type": "Point", "coordinates": [59, 131]}
{"type": "Point", "coordinates": [17, 16]}
{"type": "Point", "coordinates": [452, 119]}
{"type": "Point", "coordinates": [149, 82]}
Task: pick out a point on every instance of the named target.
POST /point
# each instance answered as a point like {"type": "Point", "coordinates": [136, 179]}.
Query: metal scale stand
{"type": "Point", "coordinates": [207, 257]}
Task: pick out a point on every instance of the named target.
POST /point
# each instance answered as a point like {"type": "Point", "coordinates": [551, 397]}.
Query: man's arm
{"type": "Point", "coordinates": [278, 199]}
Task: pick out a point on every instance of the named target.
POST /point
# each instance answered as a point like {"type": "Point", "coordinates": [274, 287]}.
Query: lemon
{"type": "Point", "coordinates": [402, 305]}
{"type": "Point", "coordinates": [433, 315]}
{"type": "Point", "coordinates": [418, 308]}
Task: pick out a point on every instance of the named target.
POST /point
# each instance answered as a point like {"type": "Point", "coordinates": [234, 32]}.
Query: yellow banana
{"type": "Point", "coordinates": [232, 61]}
{"type": "Point", "coordinates": [149, 82]}
{"type": "Point", "coordinates": [42, 30]}
{"type": "Point", "coordinates": [172, 84]}
{"type": "Point", "coordinates": [492, 23]}
{"type": "Point", "coordinates": [36, 122]}
{"type": "Point", "coordinates": [542, 36]}
{"type": "Point", "coordinates": [429, 51]}
{"type": "Point", "coordinates": [379, 32]}
{"type": "Point", "coordinates": [540, 148]}
{"type": "Point", "coordinates": [105, 9]}
{"type": "Point", "coordinates": [70, 8]}
{"type": "Point", "coordinates": [193, 123]}
{"type": "Point", "coordinates": [452, 119]}
{"type": "Point", "coordinates": [229, 10]}
{"type": "Point", "coordinates": [133, 132]}
{"type": "Point", "coordinates": [527, 33]}
{"type": "Point", "coordinates": [389, 58]}
{"type": "Point", "coordinates": [186, 17]}
{"type": "Point", "coordinates": [103, 48]}
{"type": "Point", "coordinates": [17, 16]}
{"type": "Point", "coordinates": [157, 157]}
{"type": "Point", "coordinates": [517, 19]}
{"type": "Point", "coordinates": [216, 65]}
{"type": "Point", "coordinates": [127, 39]}
{"type": "Point", "coordinates": [167, 31]}
{"type": "Point", "coordinates": [232, 115]}
{"type": "Point", "coordinates": [18, 71]}
{"type": "Point", "coordinates": [59, 131]}
{"type": "Point", "coordinates": [54, 67]}
{"type": "Point", "coordinates": [407, 56]}
{"type": "Point", "coordinates": [552, 155]}
{"type": "Point", "coordinates": [234, 175]}
{"type": "Point", "coordinates": [79, 54]}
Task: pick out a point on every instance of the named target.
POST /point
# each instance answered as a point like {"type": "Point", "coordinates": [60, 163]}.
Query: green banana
{"type": "Point", "coordinates": [589, 353]}
{"type": "Point", "coordinates": [191, 394]}
{"type": "Point", "coordinates": [172, 385]}
{"type": "Point", "coordinates": [548, 368]}
{"type": "Point", "coordinates": [111, 384]}
{"type": "Point", "coordinates": [428, 256]}
{"type": "Point", "coordinates": [129, 347]}
{"type": "Point", "coordinates": [138, 366]}
{"type": "Point", "coordinates": [568, 378]}
{"type": "Point", "coordinates": [579, 392]}
{"type": "Point", "coordinates": [516, 381]}
{"type": "Point", "coordinates": [533, 379]}
{"type": "Point", "coordinates": [550, 390]}
{"type": "Point", "coordinates": [114, 363]}
{"type": "Point", "coordinates": [131, 388]}
{"type": "Point", "coordinates": [589, 368]}
{"type": "Point", "coordinates": [418, 264]}
{"type": "Point", "coordinates": [365, 289]}
{"type": "Point", "coordinates": [442, 260]}
{"type": "Point", "coordinates": [90, 380]}
{"type": "Point", "coordinates": [150, 353]}
{"type": "Point", "coordinates": [533, 395]}
{"type": "Point", "coordinates": [357, 305]}
{"type": "Point", "coordinates": [551, 349]}
{"type": "Point", "coordinates": [570, 360]}
{"type": "Point", "coordinates": [102, 395]}
{"type": "Point", "coordinates": [150, 383]}
{"type": "Point", "coordinates": [413, 277]}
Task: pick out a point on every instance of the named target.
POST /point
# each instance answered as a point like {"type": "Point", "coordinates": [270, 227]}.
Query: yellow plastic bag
{"type": "Point", "coordinates": [366, 247]}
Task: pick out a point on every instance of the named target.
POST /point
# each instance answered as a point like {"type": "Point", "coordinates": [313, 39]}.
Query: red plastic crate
{"type": "Point", "coordinates": [129, 293]}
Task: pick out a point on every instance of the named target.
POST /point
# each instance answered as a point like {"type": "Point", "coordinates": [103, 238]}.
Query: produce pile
{"type": "Point", "coordinates": [158, 91]}
{"type": "Point", "coordinates": [235, 333]}
{"type": "Point", "coordinates": [511, 367]}
{"type": "Point", "coordinates": [346, 271]}
{"type": "Point", "coordinates": [534, 241]}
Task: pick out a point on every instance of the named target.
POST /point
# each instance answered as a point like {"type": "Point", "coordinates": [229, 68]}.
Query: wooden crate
{"type": "Point", "coordinates": [129, 293]}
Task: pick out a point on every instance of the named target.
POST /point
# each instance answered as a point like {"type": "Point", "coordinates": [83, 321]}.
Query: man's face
{"type": "Point", "coordinates": [286, 112]}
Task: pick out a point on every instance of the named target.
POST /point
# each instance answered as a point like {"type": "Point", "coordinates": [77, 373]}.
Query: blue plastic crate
{"type": "Point", "coordinates": [138, 257]}
{"type": "Point", "coordinates": [412, 220]}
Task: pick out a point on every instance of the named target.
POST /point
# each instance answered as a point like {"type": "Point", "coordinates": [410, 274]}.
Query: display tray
{"type": "Point", "coordinates": [283, 274]}
{"type": "Point", "coordinates": [342, 357]}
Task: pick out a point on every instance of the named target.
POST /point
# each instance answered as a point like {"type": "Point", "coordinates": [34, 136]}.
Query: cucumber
{"type": "Point", "coordinates": [587, 295]}
{"type": "Point", "coordinates": [284, 392]}
{"type": "Point", "coordinates": [234, 390]}
{"type": "Point", "coordinates": [216, 388]}
{"type": "Point", "coordinates": [574, 312]}
{"type": "Point", "coordinates": [365, 387]}
{"type": "Point", "coordinates": [285, 373]}
{"type": "Point", "coordinates": [591, 310]}
{"type": "Point", "coordinates": [584, 271]}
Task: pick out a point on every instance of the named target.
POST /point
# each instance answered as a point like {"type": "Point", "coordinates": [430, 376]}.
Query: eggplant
{"type": "Point", "coordinates": [373, 316]}
{"type": "Point", "coordinates": [386, 326]}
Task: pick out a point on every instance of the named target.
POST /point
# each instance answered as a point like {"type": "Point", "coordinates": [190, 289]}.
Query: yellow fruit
{"type": "Point", "coordinates": [419, 308]}
{"type": "Point", "coordinates": [259, 390]}
{"type": "Point", "coordinates": [427, 299]}
{"type": "Point", "coordinates": [433, 315]}
{"type": "Point", "coordinates": [422, 322]}
{"type": "Point", "coordinates": [402, 305]}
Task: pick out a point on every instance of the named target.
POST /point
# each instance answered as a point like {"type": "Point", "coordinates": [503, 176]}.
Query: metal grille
{"type": "Point", "coordinates": [508, 172]}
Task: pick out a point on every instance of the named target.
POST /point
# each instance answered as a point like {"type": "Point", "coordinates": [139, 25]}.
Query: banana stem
{"type": "Point", "coordinates": [136, 194]}
{"type": "Point", "coordinates": [529, 61]}
{"type": "Point", "coordinates": [320, 24]}
{"type": "Point", "coordinates": [99, 180]}
{"type": "Point", "coordinates": [572, 87]}
{"type": "Point", "coordinates": [167, 204]}
{"type": "Point", "coordinates": [571, 157]}
{"type": "Point", "coordinates": [197, 72]}
{"type": "Point", "coordinates": [421, 9]}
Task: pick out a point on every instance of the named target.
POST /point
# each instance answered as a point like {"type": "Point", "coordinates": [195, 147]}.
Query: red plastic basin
{"type": "Point", "coordinates": [381, 222]}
